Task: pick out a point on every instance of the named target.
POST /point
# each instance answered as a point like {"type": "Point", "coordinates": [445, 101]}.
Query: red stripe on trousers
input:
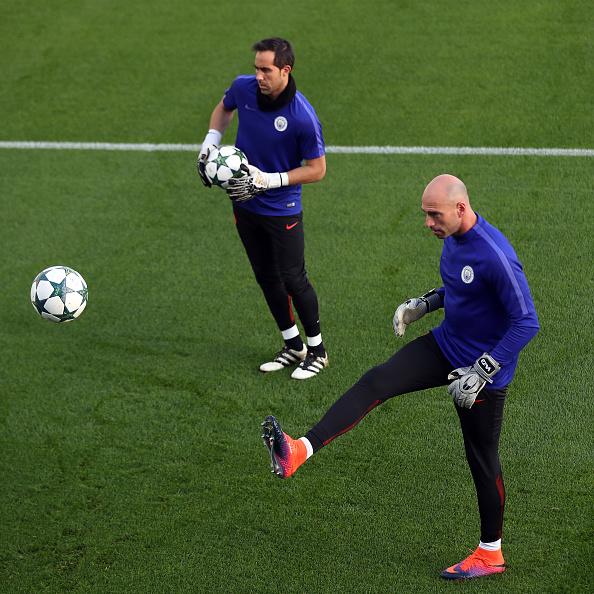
{"type": "Point", "coordinates": [500, 489]}
{"type": "Point", "coordinates": [371, 407]}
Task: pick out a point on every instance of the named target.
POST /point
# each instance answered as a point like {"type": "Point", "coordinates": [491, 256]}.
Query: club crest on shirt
{"type": "Point", "coordinates": [467, 275]}
{"type": "Point", "coordinates": [280, 123]}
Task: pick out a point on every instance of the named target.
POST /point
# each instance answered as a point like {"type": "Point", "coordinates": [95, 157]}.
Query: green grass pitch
{"type": "Point", "coordinates": [131, 452]}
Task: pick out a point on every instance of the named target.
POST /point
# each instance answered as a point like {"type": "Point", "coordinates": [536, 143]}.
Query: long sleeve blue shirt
{"type": "Point", "coordinates": [487, 301]}
{"type": "Point", "coordinates": [274, 141]}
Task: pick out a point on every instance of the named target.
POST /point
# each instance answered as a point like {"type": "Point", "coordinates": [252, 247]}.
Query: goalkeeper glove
{"type": "Point", "coordinates": [469, 381]}
{"type": "Point", "coordinates": [414, 309]}
{"type": "Point", "coordinates": [211, 140]}
{"type": "Point", "coordinates": [245, 188]}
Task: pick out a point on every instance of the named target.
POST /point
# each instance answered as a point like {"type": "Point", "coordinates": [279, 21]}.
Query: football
{"type": "Point", "coordinates": [225, 162]}
{"type": "Point", "coordinates": [59, 294]}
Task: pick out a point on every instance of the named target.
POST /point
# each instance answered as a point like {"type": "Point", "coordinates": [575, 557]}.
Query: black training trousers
{"type": "Point", "coordinates": [275, 247]}
{"type": "Point", "coordinates": [417, 366]}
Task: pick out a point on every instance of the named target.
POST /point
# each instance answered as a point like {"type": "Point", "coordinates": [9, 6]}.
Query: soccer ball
{"type": "Point", "coordinates": [225, 162]}
{"type": "Point", "coordinates": [59, 294]}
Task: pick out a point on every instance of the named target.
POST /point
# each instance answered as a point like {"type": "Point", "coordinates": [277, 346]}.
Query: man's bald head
{"type": "Point", "coordinates": [446, 187]}
{"type": "Point", "coordinates": [447, 207]}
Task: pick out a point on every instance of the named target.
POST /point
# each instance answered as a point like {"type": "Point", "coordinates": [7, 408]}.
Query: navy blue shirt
{"type": "Point", "coordinates": [274, 141]}
{"type": "Point", "coordinates": [487, 301]}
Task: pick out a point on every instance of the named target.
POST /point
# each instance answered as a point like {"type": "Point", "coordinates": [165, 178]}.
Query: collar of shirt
{"type": "Point", "coordinates": [471, 233]}
{"type": "Point", "coordinates": [265, 103]}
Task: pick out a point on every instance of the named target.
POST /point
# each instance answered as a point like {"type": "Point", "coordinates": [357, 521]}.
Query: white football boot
{"type": "Point", "coordinates": [310, 366]}
{"type": "Point", "coordinates": [286, 357]}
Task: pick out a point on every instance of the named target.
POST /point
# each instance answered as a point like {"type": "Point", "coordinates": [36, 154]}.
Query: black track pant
{"type": "Point", "coordinates": [275, 248]}
{"type": "Point", "coordinates": [417, 366]}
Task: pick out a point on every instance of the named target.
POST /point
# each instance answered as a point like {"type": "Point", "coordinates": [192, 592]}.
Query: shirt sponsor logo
{"type": "Point", "coordinates": [280, 123]}
{"type": "Point", "coordinates": [467, 275]}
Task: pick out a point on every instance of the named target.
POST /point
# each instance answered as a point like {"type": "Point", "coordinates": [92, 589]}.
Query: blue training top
{"type": "Point", "coordinates": [487, 301]}
{"type": "Point", "coordinates": [274, 141]}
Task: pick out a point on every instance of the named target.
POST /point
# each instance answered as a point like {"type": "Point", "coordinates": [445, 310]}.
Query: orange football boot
{"type": "Point", "coordinates": [478, 564]}
{"type": "Point", "coordinates": [286, 454]}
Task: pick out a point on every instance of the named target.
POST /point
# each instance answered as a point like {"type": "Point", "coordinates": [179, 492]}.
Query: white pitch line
{"type": "Point", "coordinates": [353, 150]}
{"type": "Point", "coordinates": [461, 150]}
{"type": "Point", "coordinates": [97, 146]}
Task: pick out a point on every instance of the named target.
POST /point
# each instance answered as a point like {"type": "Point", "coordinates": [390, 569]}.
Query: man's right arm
{"type": "Point", "coordinates": [414, 309]}
{"type": "Point", "coordinates": [220, 118]}
{"type": "Point", "coordinates": [219, 122]}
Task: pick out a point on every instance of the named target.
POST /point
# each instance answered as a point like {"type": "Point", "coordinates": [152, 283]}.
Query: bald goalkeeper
{"type": "Point", "coordinates": [489, 317]}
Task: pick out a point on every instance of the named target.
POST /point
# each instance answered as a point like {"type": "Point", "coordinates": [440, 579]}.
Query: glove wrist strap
{"type": "Point", "coordinates": [213, 137]}
{"type": "Point", "coordinates": [486, 367]}
{"type": "Point", "coordinates": [433, 300]}
{"type": "Point", "coordinates": [278, 180]}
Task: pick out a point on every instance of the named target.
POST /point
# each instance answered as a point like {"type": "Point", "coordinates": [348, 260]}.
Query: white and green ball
{"type": "Point", "coordinates": [224, 163]}
{"type": "Point", "coordinates": [59, 294]}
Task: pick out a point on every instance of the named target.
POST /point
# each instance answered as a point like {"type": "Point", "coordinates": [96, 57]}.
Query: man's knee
{"type": "Point", "coordinates": [268, 279]}
{"type": "Point", "coordinates": [296, 283]}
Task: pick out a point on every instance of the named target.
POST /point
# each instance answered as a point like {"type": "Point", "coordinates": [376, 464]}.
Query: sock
{"type": "Point", "coordinates": [308, 447]}
{"type": "Point", "coordinates": [292, 338]}
{"type": "Point", "coordinates": [316, 346]}
{"type": "Point", "coordinates": [490, 546]}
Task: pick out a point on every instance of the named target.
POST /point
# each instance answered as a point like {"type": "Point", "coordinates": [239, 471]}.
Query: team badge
{"type": "Point", "coordinates": [281, 123]}
{"type": "Point", "coordinates": [467, 275]}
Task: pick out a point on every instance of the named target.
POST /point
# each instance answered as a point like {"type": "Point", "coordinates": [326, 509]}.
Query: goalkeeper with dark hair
{"type": "Point", "coordinates": [489, 318]}
{"type": "Point", "coordinates": [282, 138]}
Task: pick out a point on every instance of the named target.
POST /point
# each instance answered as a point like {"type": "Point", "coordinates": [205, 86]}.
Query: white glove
{"type": "Point", "coordinates": [414, 309]}
{"type": "Point", "coordinates": [245, 188]}
{"type": "Point", "coordinates": [408, 312]}
{"type": "Point", "coordinates": [469, 381]}
{"type": "Point", "coordinates": [211, 140]}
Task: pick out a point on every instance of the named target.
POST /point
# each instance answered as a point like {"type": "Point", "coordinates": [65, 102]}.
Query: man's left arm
{"type": "Point", "coordinates": [245, 188]}
{"type": "Point", "coordinates": [510, 284]}
{"type": "Point", "coordinates": [514, 293]}
{"type": "Point", "coordinates": [312, 170]}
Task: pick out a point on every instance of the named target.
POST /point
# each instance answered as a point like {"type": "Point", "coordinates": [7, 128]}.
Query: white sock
{"type": "Point", "coordinates": [314, 341]}
{"type": "Point", "coordinates": [290, 332]}
{"type": "Point", "coordinates": [307, 447]}
{"type": "Point", "coordinates": [490, 546]}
